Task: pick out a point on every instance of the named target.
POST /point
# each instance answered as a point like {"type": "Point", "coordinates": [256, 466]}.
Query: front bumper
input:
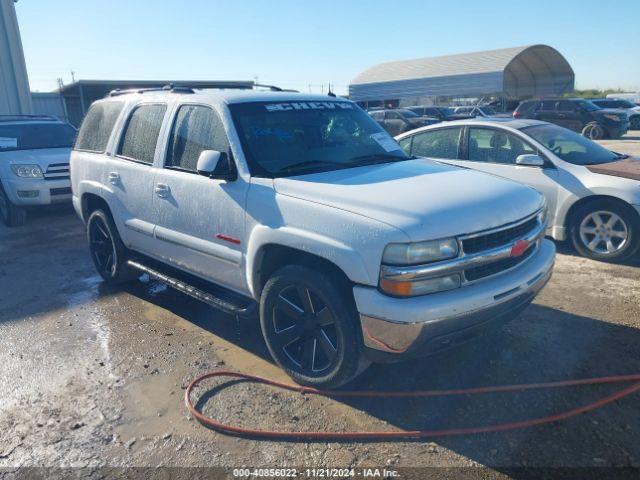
{"type": "Point", "coordinates": [398, 327]}
{"type": "Point", "coordinates": [617, 129]}
{"type": "Point", "coordinates": [29, 191]}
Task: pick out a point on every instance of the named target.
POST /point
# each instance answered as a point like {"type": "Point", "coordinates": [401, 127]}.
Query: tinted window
{"type": "Point", "coordinates": [548, 105]}
{"type": "Point", "coordinates": [141, 134]}
{"type": "Point", "coordinates": [294, 138]}
{"type": "Point", "coordinates": [570, 146]}
{"type": "Point", "coordinates": [565, 106]}
{"type": "Point", "coordinates": [97, 125]}
{"type": "Point", "coordinates": [442, 143]}
{"type": "Point", "coordinates": [392, 116]}
{"type": "Point", "coordinates": [405, 144]}
{"type": "Point", "coordinates": [377, 115]}
{"type": "Point", "coordinates": [495, 146]}
{"type": "Point", "coordinates": [31, 136]}
{"type": "Point", "coordinates": [408, 113]}
{"type": "Point", "coordinates": [588, 106]}
{"type": "Point", "coordinates": [196, 128]}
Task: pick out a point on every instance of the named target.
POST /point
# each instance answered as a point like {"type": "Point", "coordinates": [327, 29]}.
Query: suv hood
{"type": "Point", "coordinates": [42, 156]}
{"type": "Point", "coordinates": [423, 198]}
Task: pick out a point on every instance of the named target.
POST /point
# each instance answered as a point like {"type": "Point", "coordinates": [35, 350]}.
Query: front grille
{"type": "Point", "coordinates": [57, 171]}
{"type": "Point", "coordinates": [480, 243]}
{"type": "Point", "coordinates": [60, 191]}
{"type": "Point", "coordinates": [476, 273]}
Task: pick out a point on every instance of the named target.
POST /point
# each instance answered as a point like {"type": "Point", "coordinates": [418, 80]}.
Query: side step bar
{"type": "Point", "coordinates": [233, 304]}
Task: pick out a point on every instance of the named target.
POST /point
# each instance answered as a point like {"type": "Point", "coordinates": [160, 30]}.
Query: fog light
{"type": "Point", "coordinates": [28, 193]}
{"type": "Point", "coordinates": [420, 287]}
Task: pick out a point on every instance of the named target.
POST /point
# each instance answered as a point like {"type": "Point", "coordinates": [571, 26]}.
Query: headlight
{"type": "Point", "coordinates": [421, 252]}
{"type": "Point", "coordinates": [27, 171]}
{"type": "Point", "coordinates": [420, 287]}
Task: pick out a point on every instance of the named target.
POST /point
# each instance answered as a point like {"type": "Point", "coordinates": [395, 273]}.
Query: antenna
{"type": "Point", "coordinates": [329, 92]}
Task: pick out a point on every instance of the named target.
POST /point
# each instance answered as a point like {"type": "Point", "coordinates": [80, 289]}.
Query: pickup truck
{"type": "Point", "coordinates": [302, 209]}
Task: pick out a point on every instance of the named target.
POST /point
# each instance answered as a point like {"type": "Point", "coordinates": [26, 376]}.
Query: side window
{"type": "Point", "coordinates": [442, 143]}
{"type": "Point", "coordinates": [565, 106]}
{"type": "Point", "coordinates": [196, 128]}
{"type": "Point", "coordinates": [392, 116]}
{"type": "Point", "coordinates": [405, 144]}
{"type": "Point", "coordinates": [97, 125]}
{"type": "Point", "coordinates": [548, 105]}
{"type": "Point", "coordinates": [377, 115]}
{"type": "Point", "coordinates": [141, 133]}
{"type": "Point", "coordinates": [494, 146]}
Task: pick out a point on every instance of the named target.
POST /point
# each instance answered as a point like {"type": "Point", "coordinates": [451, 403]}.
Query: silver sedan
{"type": "Point", "coordinates": [593, 194]}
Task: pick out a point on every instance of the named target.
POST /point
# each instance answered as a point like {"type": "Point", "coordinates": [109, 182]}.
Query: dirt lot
{"type": "Point", "coordinates": [93, 376]}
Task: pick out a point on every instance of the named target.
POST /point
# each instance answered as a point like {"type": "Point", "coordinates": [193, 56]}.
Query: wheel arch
{"type": "Point", "coordinates": [571, 213]}
{"type": "Point", "coordinates": [89, 202]}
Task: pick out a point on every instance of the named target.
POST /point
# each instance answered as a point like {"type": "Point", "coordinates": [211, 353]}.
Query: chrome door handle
{"type": "Point", "coordinates": [162, 190]}
{"type": "Point", "coordinates": [114, 178]}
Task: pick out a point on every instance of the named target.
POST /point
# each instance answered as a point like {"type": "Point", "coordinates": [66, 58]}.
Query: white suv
{"type": "Point", "coordinates": [34, 164]}
{"type": "Point", "coordinates": [302, 207]}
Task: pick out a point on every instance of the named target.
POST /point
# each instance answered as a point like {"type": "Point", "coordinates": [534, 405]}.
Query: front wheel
{"type": "Point", "coordinates": [593, 131]}
{"type": "Point", "coordinates": [606, 230]}
{"type": "Point", "coordinates": [311, 327]}
{"type": "Point", "coordinates": [108, 253]}
{"type": "Point", "coordinates": [12, 215]}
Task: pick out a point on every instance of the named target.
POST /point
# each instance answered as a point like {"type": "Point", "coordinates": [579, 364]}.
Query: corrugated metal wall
{"type": "Point", "coordinates": [15, 96]}
{"type": "Point", "coordinates": [50, 103]}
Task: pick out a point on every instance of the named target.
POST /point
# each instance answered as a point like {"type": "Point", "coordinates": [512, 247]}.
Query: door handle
{"type": "Point", "coordinates": [162, 190]}
{"type": "Point", "coordinates": [114, 178]}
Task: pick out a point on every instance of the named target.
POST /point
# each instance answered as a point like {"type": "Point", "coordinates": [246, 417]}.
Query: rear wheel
{"type": "Point", "coordinates": [311, 327]}
{"type": "Point", "coordinates": [108, 253]}
{"type": "Point", "coordinates": [635, 122]}
{"type": "Point", "coordinates": [593, 131]}
{"type": "Point", "coordinates": [606, 230]}
{"type": "Point", "coordinates": [12, 215]}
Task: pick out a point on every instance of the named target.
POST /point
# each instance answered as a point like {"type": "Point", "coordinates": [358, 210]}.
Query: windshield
{"type": "Point", "coordinates": [408, 113]}
{"type": "Point", "coordinates": [588, 106]}
{"type": "Point", "coordinates": [570, 146]}
{"type": "Point", "coordinates": [31, 136]}
{"type": "Point", "coordinates": [488, 110]}
{"type": "Point", "coordinates": [293, 138]}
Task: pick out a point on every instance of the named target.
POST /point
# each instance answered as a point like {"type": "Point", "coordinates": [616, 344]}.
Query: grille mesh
{"type": "Point", "coordinates": [477, 273]}
{"type": "Point", "coordinates": [499, 238]}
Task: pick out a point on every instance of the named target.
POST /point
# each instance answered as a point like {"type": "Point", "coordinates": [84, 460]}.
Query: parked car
{"type": "Point", "coordinates": [441, 113]}
{"type": "Point", "coordinates": [303, 208]}
{"type": "Point", "coordinates": [632, 97]}
{"type": "Point", "coordinates": [592, 193]}
{"type": "Point", "coordinates": [632, 110]}
{"type": "Point", "coordinates": [578, 115]}
{"type": "Point", "coordinates": [34, 164]}
{"type": "Point", "coordinates": [477, 111]}
{"type": "Point", "coordinates": [400, 120]}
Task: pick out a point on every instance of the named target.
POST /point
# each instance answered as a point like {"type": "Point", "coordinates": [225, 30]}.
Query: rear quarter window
{"type": "Point", "coordinates": [97, 126]}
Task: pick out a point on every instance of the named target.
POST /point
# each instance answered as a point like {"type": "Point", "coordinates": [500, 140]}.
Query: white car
{"type": "Point", "coordinates": [34, 164]}
{"type": "Point", "coordinates": [593, 194]}
{"type": "Point", "coordinates": [303, 208]}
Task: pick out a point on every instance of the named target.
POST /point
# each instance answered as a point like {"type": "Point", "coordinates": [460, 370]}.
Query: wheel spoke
{"type": "Point", "coordinates": [610, 246]}
{"type": "Point", "coordinates": [594, 243]}
{"type": "Point", "coordinates": [102, 231]}
{"type": "Point", "coordinates": [324, 317]}
{"type": "Point", "coordinates": [305, 298]}
{"type": "Point", "coordinates": [309, 353]}
{"type": "Point", "coordinates": [326, 344]}
{"type": "Point", "coordinates": [597, 219]}
{"type": "Point", "coordinates": [289, 335]}
{"type": "Point", "coordinates": [589, 230]}
{"type": "Point", "coordinates": [619, 234]}
{"type": "Point", "coordinates": [288, 308]}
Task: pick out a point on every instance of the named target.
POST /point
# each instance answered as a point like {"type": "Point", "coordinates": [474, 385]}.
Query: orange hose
{"type": "Point", "coordinates": [210, 422]}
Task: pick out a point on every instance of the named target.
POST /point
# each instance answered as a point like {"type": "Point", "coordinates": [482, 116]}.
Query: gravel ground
{"type": "Point", "coordinates": [94, 376]}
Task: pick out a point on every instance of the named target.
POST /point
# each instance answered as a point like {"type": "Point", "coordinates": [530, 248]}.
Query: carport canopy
{"type": "Point", "coordinates": [518, 72]}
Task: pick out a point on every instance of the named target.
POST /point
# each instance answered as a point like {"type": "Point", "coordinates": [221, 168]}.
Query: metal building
{"type": "Point", "coordinates": [15, 97]}
{"type": "Point", "coordinates": [509, 73]}
{"type": "Point", "coordinates": [78, 96]}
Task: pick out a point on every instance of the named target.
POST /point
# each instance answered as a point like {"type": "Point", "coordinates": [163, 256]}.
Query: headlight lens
{"type": "Point", "coordinates": [420, 287]}
{"type": "Point", "coordinates": [27, 171]}
{"type": "Point", "coordinates": [421, 252]}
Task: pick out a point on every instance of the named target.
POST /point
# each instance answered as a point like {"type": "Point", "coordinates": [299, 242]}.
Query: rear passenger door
{"type": "Point", "coordinates": [568, 116]}
{"type": "Point", "coordinates": [200, 221]}
{"type": "Point", "coordinates": [129, 175]}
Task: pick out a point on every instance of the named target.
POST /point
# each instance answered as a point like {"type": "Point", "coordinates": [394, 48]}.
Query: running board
{"type": "Point", "coordinates": [222, 299]}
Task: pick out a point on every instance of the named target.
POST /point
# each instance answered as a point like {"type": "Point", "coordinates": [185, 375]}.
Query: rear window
{"type": "Point", "coordinates": [33, 136]}
{"type": "Point", "coordinates": [141, 133]}
{"type": "Point", "coordinates": [97, 125]}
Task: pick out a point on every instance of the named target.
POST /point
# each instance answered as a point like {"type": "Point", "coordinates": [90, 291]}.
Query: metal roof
{"type": "Point", "coordinates": [516, 72]}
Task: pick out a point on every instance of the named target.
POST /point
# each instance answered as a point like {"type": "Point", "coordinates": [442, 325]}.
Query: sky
{"type": "Point", "coordinates": [308, 44]}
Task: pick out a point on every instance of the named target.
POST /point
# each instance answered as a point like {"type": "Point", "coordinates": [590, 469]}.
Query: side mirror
{"type": "Point", "coordinates": [208, 161]}
{"type": "Point", "coordinates": [530, 160]}
{"type": "Point", "coordinates": [216, 165]}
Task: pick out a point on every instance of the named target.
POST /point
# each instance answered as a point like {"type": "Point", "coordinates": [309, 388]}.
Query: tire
{"type": "Point", "coordinates": [12, 215]}
{"type": "Point", "coordinates": [108, 253]}
{"type": "Point", "coordinates": [635, 122]}
{"type": "Point", "coordinates": [593, 131]}
{"type": "Point", "coordinates": [606, 230]}
{"type": "Point", "coordinates": [311, 327]}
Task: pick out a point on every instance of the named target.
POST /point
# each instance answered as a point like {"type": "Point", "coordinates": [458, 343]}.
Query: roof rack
{"type": "Point", "coordinates": [185, 89]}
{"type": "Point", "coordinates": [14, 118]}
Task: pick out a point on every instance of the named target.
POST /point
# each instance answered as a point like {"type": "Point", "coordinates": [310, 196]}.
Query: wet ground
{"type": "Point", "coordinates": [94, 376]}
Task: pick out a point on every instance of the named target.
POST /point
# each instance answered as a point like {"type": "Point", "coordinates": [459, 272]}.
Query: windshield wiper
{"type": "Point", "coordinates": [378, 158]}
{"type": "Point", "coordinates": [308, 163]}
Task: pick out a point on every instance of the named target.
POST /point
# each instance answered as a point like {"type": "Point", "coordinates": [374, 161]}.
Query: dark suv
{"type": "Point", "coordinates": [400, 120]}
{"type": "Point", "coordinates": [578, 115]}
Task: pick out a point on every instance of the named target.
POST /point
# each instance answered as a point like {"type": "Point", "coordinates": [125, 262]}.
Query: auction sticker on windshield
{"type": "Point", "coordinates": [385, 141]}
{"type": "Point", "coordinates": [6, 142]}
